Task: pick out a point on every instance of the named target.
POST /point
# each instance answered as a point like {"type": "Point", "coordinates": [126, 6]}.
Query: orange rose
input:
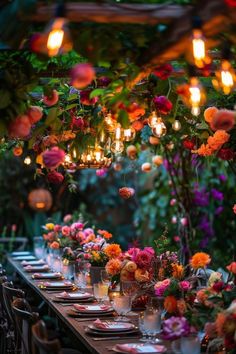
{"type": "Point", "coordinates": [170, 304]}
{"type": "Point", "coordinates": [232, 267]}
{"type": "Point", "coordinates": [209, 113]}
{"type": "Point", "coordinates": [200, 260]}
{"type": "Point", "coordinates": [113, 267]}
{"type": "Point", "coordinates": [55, 245]}
{"type": "Point", "coordinates": [113, 250]}
{"type": "Point", "coordinates": [130, 266]}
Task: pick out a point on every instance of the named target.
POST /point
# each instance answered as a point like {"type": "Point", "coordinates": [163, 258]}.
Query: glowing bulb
{"type": "Point", "coordinates": [159, 130]}
{"type": "Point", "coordinates": [110, 123]}
{"type": "Point", "coordinates": [74, 153]}
{"type": "Point", "coordinates": [118, 133]}
{"type": "Point", "coordinates": [152, 119]}
{"type": "Point", "coordinates": [55, 37]}
{"type": "Point", "coordinates": [227, 77]}
{"type": "Point", "coordinates": [197, 96]}
{"type": "Point", "coordinates": [98, 155]}
{"type": "Point", "coordinates": [199, 50]}
{"type": "Point", "coordinates": [176, 125]}
{"type": "Point", "coordinates": [117, 147]}
{"type": "Point", "coordinates": [129, 134]}
{"type": "Point", "coordinates": [27, 160]}
{"type": "Point", "coordinates": [88, 157]}
{"type": "Point", "coordinates": [67, 158]}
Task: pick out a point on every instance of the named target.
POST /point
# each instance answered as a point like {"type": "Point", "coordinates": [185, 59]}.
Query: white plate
{"type": "Point", "coordinates": [38, 262]}
{"type": "Point", "coordinates": [21, 253]}
{"type": "Point", "coordinates": [56, 284]}
{"type": "Point", "coordinates": [24, 258]}
{"type": "Point", "coordinates": [75, 295]}
{"type": "Point", "coordinates": [142, 348]}
{"type": "Point", "coordinates": [47, 275]}
{"type": "Point", "coordinates": [113, 326]}
{"type": "Point", "coordinates": [93, 309]}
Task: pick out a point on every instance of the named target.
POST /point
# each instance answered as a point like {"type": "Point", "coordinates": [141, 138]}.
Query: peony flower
{"type": "Point", "coordinates": [113, 266]}
{"type": "Point", "coordinates": [185, 285]}
{"type": "Point", "coordinates": [143, 259]}
{"type": "Point", "coordinates": [163, 71]}
{"type": "Point", "coordinates": [67, 218]}
{"type": "Point", "coordinates": [141, 275]}
{"type": "Point", "coordinates": [35, 113]}
{"type": "Point", "coordinates": [162, 104]}
{"type": "Point", "coordinates": [20, 127]}
{"type": "Point", "coordinates": [223, 120]}
{"type": "Point", "coordinates": [113, 250]}
{"type": "Point", "coordinates": [88, 231]}
{"type": "Point", "coordinates": [232, 267]}
{"type": "Point", "coordinates": [175, 327]}
{"type": "Point", "coordinates": [126, 192]}
{"type": "Point", "coordinates": [54, 157]}
{"type": "Point", "coordinates": [57, 228]}
{"type": "Point", "coordinates": [65, 231]}
{"type": "Point", "coordinates": [209, 113]}
{"type": "Point", "coordinates": [226, 154]}
{"type": "Point", "coordinates": [200, 260]}
{"type": "Point", "coordinates": [55, 177]}
{"type": "Point", "coordinates": [170, 304]}
{"type": "Point", "coordinates": [161, 286]}
{"type": "Point", "coordinates": [130, 266]}
{"type": "Point", "coordinates": [85, 99]}
{"type": "Point", "coordinates": [51, 99]}
{"type": "Point", "coordinates": [82, 75]}
{"type": "Point", "coordinates": [149, 250]}
{"type": "Point", "coordinates": [55, 245]}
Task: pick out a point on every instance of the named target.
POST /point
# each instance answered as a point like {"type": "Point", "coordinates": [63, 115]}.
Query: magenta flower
{"type": "Point", "coordinates": [54, 157]}
{"type": "Point", "coordinates": [175, 327]}
{"type": "Point", "coordinates": [162, 104]}
{"type": "Point", "coordinates": [143, 259]}
{"type": "Point", "coordinates": [185, 285]}
{"type": "Point", "coordinates": [55, 177]}
{"type": "Point", "coordinates": [82, 75]}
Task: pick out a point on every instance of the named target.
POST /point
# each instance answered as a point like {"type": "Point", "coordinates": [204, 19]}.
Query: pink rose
{"type": "Point", "coordinates": [162, 104]}
{"type": "Point", "coordinates": [88, 231]}
{"type": "Point", "coordinates": [82, 75]}
{"type": "Point", "coordinates": [54, 157]}
{"type": "Point", "coordinates": [85, 99]}
{"type": "Point", "coordinates": [67, 218]}
{"type": "Point", "coordinates": [185, 285]}
{"type": "Point", "coordinates": [65, 231]}
{"type": "Point", "coordinates": [20, 127]}
{"type": "Point", "coordinates": [51, 99]}
{"type": "Point", "coordinates": [149, 250]}
{"type": "Point", "coordinates": [223, 120]}
{"type": "Point", "coordinates": [57, 228]}
{"type": "Point", "coordinates": [35, 113]}
{"type": "Point", "coordinates": [55, 177]}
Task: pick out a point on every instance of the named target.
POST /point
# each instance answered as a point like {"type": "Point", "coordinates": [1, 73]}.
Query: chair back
{"type": "Point", "coordinates": [9, 294]}
{"type": "Point", "coordinates": [41, 344]}
{"type": "Point", "coordinates": [24, 319]}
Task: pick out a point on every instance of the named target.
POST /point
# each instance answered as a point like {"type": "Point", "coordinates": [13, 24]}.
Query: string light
{"type": "Point", "coordinates": [93, 157]}
{"type": "Point", "coordinates": [27, 160]}
{"type": "Point", "coordinates": [225, 77]}
{"type": "Point", "coordinates": [159, 130]}
{"type": "Point", "coordinates": [176, 125]}
{"type": "Point", "coordinates": [110, 123]}
{"type": "Point", "coordinates": [117, 147]}
{"type": "Point", "coordinates": [199, 50]}
{"type": "Point", "coordinates": [197, 96]}
{"type": "Point", "coordinates": [152, 119]}
{"type": "Point", "coordinates": [129, 134]}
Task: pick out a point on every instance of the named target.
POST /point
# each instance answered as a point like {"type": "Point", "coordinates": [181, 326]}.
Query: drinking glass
{"type": "Point", "coordinates": [67, 269]}
{"type": "Point", "coordinates": [142, 328]}
{"type": "Point", "coordinates": [122, 305]}
{"type": "Point", "coordinates": [39, 247]}
{"type": "Point", "coordinates": [190, 344]}
{"type": "Point", "coordinates": [100, 291]}
{"type": "Point", "coordinates": [81, 274]}
{"type": "Point", "coordinates": [152, 324]}
{"type": "Point", "coordinates": [105, 277]}
{"type": "Point", "coordinates": [56, 261]}
{"type": "Point", "coordinates": [130, 288]}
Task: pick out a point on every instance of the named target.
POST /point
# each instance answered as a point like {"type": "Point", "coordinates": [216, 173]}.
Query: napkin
{"type": "Point", "coordinates": [40, 275]}
{"type": "Point", "coordinates": [82, 308]}
{"type": "Point", "coordinates": [126, 349]}
{"type": "Point", "coordinates": [30, 267]}
{"type": "Point", "coordinates": [99, 324]}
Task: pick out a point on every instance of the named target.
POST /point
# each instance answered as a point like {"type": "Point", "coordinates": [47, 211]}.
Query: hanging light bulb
{"type": "Point", "coordinates": [110, 123]}
{"type": "Point", "coordinates": [176, 125]}
{"type": "Point", "coordinates": [197, 96]}
{"type": "Point", "coordinates": [159, 130]}
{"type": "Point", "coordinates": [129, 134]}
{"type": "Point", "coordinates": [117, 147]}
{"type": "Point", "coordinates": [27, 160]}
{"type": "Point", "coordinates": [55, 37]}
{"type": "Point", "coordinates": [152, 119]}
{"type": "Point", "coordinates": [199, 50]}
{"type": "Point", "coordinates": [225, 77]}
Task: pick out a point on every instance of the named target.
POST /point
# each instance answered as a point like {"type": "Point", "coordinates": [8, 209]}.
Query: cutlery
{"type": "Point", "coordinates": [114, 338]}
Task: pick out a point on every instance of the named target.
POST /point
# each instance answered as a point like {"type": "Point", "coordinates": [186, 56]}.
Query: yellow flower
{"type": "Point", "coordinates": [96, 256]}
{"type": "Point", "coordinates": [113, 250]}
{"type": "Point", "coordinates": [200, 260]}
{"type": "Point", "coordinates": [49, 226]}
{"type": "Point", "coordinates": [178, 270]}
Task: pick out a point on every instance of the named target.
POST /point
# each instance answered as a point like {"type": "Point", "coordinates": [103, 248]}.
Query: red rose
{"type": "Point", "coordinates": [85, 99]}
{"type": "Point", "coordinates": [55, 177]}
{"type": "Point", "coordinates": [163, 71]}
{"type": "Point", "coordinates": [162, 104]}
{"type": "Point", "coordinates": [226, 154]}
{"type": "Point", "coordinates": [188, 144]}
{"type": "Point", "coordinates": [218, 286]}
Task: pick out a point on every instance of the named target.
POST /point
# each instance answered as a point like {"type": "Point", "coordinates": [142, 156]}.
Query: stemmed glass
{"type": "Point", "coordinates": [81, 271]}
{"type": "Point", "coordinates": [100, 291]}
{"type": "Point", "coordinates": [142, 328]}
{"type": "Point", "coordinates": [130, 288]}
{"type": "Point", "coordinates": [122, 305]}
{"type": "Point", "coordinates": [105, 277]}
{"type": "Point", "coordinates": [152, 324]}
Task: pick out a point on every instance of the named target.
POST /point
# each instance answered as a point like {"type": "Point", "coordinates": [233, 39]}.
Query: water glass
{"type": "Point", "coordinates": [130, 288]}
{"type": "Point", "coordinates": [67, 269]}
{"type": "Point", "coordinates": [190, 344]}
{"type": "Point", "coordinates": [152, 323]}
{"type": "Point", "coordinates": [39, 247]}
{"type": "Point", "coordinates": [105, 277]}
{"type": "Point", "coordinates": [100, 291]}
{"type": "Point", "coordinates": [142, 328]}
{"type": "Point", "coordinates": [122, 305]}
{"type": "Point", "coordinates": [81, 272]}
{"type": "Point", "coordinates": [56, 261]}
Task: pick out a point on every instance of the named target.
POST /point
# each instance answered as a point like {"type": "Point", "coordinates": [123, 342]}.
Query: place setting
{"type": "Point", "coordinates": [138, 348]}
{"type": "Point", "coordinates": [33, 263]}
{"type": "Point", "coordinates": [47, 275]}
{"type": "Point", "coordinates": [36, 268]}
{"type": "Point", "coordinates": [27, 257]}
{"type": "Point", "coordinates": [56, 286]}
{"type": "Point", "coordinates": [73, 297]}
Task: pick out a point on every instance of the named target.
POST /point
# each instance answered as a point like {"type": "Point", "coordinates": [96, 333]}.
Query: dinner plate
{"type": "Point", "coordinates": [37, 262]}
{"type": "Point", "coordinates": [95, 309]}
{"type": "Point", "coordinates": [57, 285]}
{"type": "Point", "coordinates": [74, 313]}
{"type": "Point", "coordinates": [21, 253]}
{"type": "Point", "coordinates": [47, 276]}
{"type": "Point", "coordinates": [139, 348]}
{"type": "Point", "coordinates": [37, 268]}
{"type": "Point", "coordinates": [78, 295]}
{"type": "Point", "coordinates": [24, 258]}
{"type": "Point", "coordinates": [95, 333]}
{"type": "Point", "coordinates": [112, 326]}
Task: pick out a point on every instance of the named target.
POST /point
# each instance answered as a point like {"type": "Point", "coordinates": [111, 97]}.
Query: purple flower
{"type": "Point", "coordinates": [204, 242]}
{"type": "Point", "coordinates": [175, 327]}
{"type": "Point", "coordinates": [205, 227]}
{"type": "Point", "coordinates": [217, 195]}
{"type": "Point", "coordinates": [222, 178]}
{"type": "Point", "coordinates": [201, 198]}
{"type": "Point", "coordinates": [219, 210]}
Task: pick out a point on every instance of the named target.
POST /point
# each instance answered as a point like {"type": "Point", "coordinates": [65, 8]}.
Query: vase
{"type": "Point", "coordinates": [95, 274]}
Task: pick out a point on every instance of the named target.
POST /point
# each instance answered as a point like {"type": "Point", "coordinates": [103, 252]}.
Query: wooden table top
{"type": "Point", "coordinates": [78, 328]}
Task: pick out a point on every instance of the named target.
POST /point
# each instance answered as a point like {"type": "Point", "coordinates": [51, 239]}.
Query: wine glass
{"type": "Point", "coordinates": [100, 291]}
{"type": "Point", "coordinates": [122, 305]}
{"type": "Point", "coordinates": [152, 324]}
{"type": "Point", "coordinates": [80, 273]}
{"type": "Point", "coordinates": [105, 277]}
{"type": "Point", "coordinates": [130, 288]}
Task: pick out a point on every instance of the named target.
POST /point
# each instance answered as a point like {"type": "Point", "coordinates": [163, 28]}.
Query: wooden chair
{"type": "Point", "coordinates": [42, 345]}
{"type": "Point", "coordinates": [24, 319]}
{"type": "Point", "coordinates": [3, 319]}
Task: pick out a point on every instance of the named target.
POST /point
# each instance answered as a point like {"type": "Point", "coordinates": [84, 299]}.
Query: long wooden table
{"type": "Point", "coordinates": [78, 328]}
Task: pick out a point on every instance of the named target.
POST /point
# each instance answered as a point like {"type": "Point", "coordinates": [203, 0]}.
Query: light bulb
{"type": "Point", "coordinates": [118, 132]}
{"type": "Point", "coordinates": [197, 96]}
{"type": "Point", "coordinates": [227, 77]}
{"type": "Point", "coordinates": [199, 50]}
{"type": "Point", "coordinates": [152, 119]}
{"type": "Point", "coordinates": [67, 159]}
{"type": "Point", "coordinates": [117, 147]}
{"type": "Point", "coordinates": [129, 134]}
{"type": "Point", "coordinates": [176, 125]}
{"type": "Point", "coordinates": [27, 160]}
{"type": "Point", "coordinates": [159, 130]}
{"type": "Point", "coordinates": [110, 123]}
{"type": "Point", "coordinates": [74, 153]}
{"type": "Point", "coordinates": [55, 37]}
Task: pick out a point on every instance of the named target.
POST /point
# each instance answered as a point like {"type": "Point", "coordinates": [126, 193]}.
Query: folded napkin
{"type": "Point", "coordinates": [38, 262]}
{"type": "Point", "coordinates": [41, 275]}
{"type": "Point", "coordinates": [99, 324]}
{"type": "Point", "coordinates": [126, 349]}
{"type": "Point", "coordinates": [38, 266]}
{"type": "Point", "coordinates": [80, 307]}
